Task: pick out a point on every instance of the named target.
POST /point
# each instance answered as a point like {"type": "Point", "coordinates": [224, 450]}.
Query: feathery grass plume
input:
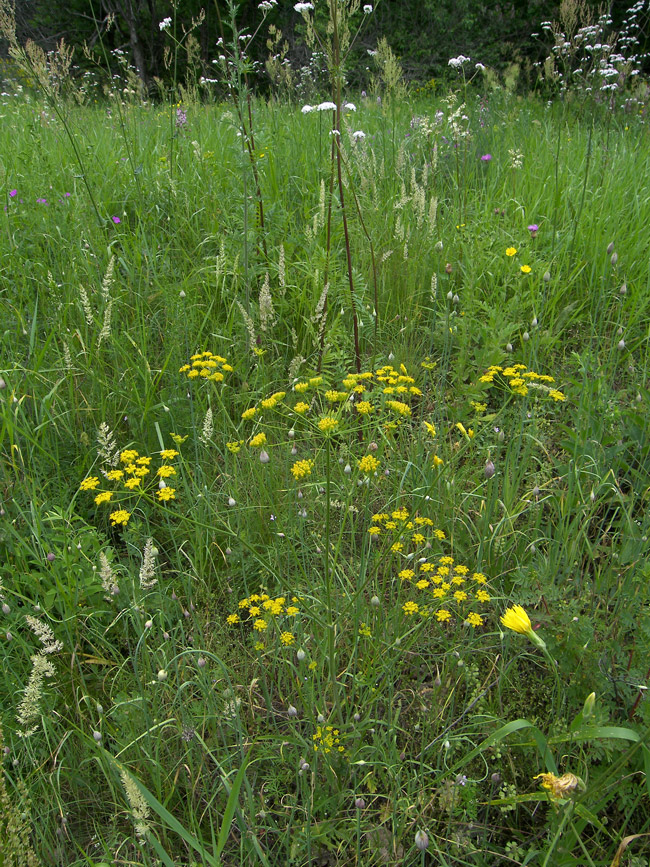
{"type": "Point", "coordinates": [282, 273]}
{"type": "Point", "coordinates": [248, 322]}
{"type": "Point", "coordinates": [29, 708]}
{"type": "Point", "coordinates": [434, 286]}
{"type": "Point", "coordinates": [107, 450]}
{"type": "Point", "coordinates": [85, 303]}
{"type": "Point", "coordinates": [267, 313]}
{"type": "Point", "coordinates": [67, 357]}
{"type": "Point", "coordinates": [294, 366]}
{"type": "Point", "coordinates": [221, 261]}
{"type": "Point", "coordinates": [109, 582]}
{"type": "Point", "coordinates": [208, 428]}
{"type": "Point", "coordinates": [148, 569]}
{"type": "Point", "coordinates": [105, 333]}
{"type": "Point", "coordinates": [139, 808]}
{"type": "Point", "coordinates": [432, 216]}
{"type": "Point", "coordinates": [107, 282]}
{"type": "Point", "coordinates": [15, 848]}
{"type": "Point", "coordinates": [44, 634]}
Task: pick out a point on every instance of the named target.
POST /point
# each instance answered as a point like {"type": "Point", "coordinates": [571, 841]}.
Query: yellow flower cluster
{"type": "Point", "coordinates": [399, 525]}
{"type": "Point", "coordinates": [302, 469]}
{"type": "Point", "coordinates": [132, 476]}
{"type": "Point", "coordinates": [267, 615]}
{"type": "Point", "coordinates": [521, 381]}
{"type": "Point", "coordinates": [207, 366]}
{"type": "Point", "coordinates": [326, 739]}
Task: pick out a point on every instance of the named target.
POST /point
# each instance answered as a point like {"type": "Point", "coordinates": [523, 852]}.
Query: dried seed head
{"type": "Point", "coordinates": [614, 258]}
{"type": "Point", "coordinates": [623, 289]}
{"type": "Point", "coordinates": [360, 804]}
{"type": "Point", "coordinates": [489, 469]}
{"type": "Point", "coordinates": [610, 248]}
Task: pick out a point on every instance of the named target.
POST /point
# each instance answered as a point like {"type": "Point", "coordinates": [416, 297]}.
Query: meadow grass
{"type": "Point", "coordinates": [281, 641]}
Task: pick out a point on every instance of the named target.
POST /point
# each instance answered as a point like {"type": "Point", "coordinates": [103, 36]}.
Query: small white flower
{"type": "Point", "coordinates": [326, 106]}
{"type": "Point", "coordinates": [165, 24]}
{"type": "Point", "coordinates": [307, 108]}
{"type": "Point", "coordinates": [349, 106]}
{"type": "Point", "coordinates": [367, 9]}
{"type": "Point", "coordinates": [358, 135]}
{"type": "Point", "coordinates": [303, 7]}
{"type": "Point", "coordinates": [479, 66]}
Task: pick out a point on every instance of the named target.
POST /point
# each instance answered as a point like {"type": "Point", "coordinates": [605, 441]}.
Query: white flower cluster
{"type": "Point", "coordinates": [165, 24]}
{"type": "Point", "coordinates": [457, 62]}
{"type": "Point", "coordinates": [367, 9]}
{"type": "Point", "coordinates": [267, 5]}
{"type": "Point", "coordinates": [303, 7]}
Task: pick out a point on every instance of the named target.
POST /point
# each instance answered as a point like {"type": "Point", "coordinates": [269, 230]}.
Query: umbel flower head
{"type": "Point", "coordinates": [515, 618]}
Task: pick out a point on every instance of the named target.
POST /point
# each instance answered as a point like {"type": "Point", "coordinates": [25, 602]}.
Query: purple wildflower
{"type": "Point", "coordinates": [67, 195]}
{"type": "Point", "coordinates": [533, 229]}
{"type": "Point", "coordinates": [13, 193]}
{"type": "Point", "coordinates": [486, 158]}
{"type": "Point", "coordinates": [42, 201]}
{"type": "Point", "coordinates": [116, 220]}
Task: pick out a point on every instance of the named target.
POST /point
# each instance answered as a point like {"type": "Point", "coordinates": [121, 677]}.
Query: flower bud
{"type": "Point", "coordinates": [438, 247]}
{"type": "Point", "coordinates": [291, 434]}
{"type": "Point", "coordinates": [508, 347]}
{"type": "Point", "coordinates": [162, 675]}
{"type": "Point", "coordinates": [489, 469]}
{"type": "Point", "coordinates": [300, 654]}
{"type": "Point", "coordinates": [448, 268]}
{"type": "Point", "coordinates": [292, 711]}
{"type": "Point", "coordinates": [201, 662]}
{"type": "Point", "coordinates": [623, 289]}
{"type": "Point", "coordinates": [455, 299]}
{"type": "Point", "coordinates": [588, 709]}
{"type": "Point", "coordinates": [51, 557]}
{"type": "Point", "coordinates": [181, 294]}
{"type": "Point", "coordinates": [264, 457]}
{"type": "Point", "coordinates": [232, 501]}
{"type": "Point", "coordinates": [534, 322]}
{"type": "Point", "coordinates": [97, 736]}
{"type": "Point", "coordinates": [526, 337]}
{"type": "Point", "coordinates": [610, 248]}
{"type": "Point", "coordinates": [360, 804]}
{"type": "Point", "coordinates": [375, 602]}
{"type": "Point", "coordinates": [450, 295]}
{"type": "Point", "coordinates": [347, 469]}
{"type": "Point", "coordinates": [547, 276]}
{"type": "Point", "coordinates": [421, 840]}
{"type": "Point", "coordinates": [3, 384]}
{"type": "Point", "coordinates": [614, 258]}
{"type": "Point", "coordinates": [5, 608]}
{"type": "Point", "coordinates": [621, 344]}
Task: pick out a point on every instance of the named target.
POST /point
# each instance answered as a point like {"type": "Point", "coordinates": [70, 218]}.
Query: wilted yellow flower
{"type": "Point", "coordinates": [560, 787]}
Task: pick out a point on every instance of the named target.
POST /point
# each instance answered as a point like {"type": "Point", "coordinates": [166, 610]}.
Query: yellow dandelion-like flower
{"type": "Point", "coordinates": [232, 619]}
{"type": "Point", "coordinates": [406, 574]}
{"type": "Point", "coordinates": [525, 269]}
{"type": "Point", "coordinates": [482, 596]}
{"type": "Point", "coordinates": [89, 484]}
{"type": "Point", "coordinates": [422, 584]}
{"type": "Point", "coordinates": [474, 620]}
{"type": "Point", "coordinates": [431, 428]}
{"type": "Point", "coordinates": [515, 618]}
{"type": "Point", "coordinates": [167, 494]}
{"type": "Point", "coordinates": [442, 615]}
{"type": "Point", "coordinates": [121, 516]}
{"type": "Point", "coordinates": [511, 251]}
{"type": "Point", "coordinates": [437, 462]}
